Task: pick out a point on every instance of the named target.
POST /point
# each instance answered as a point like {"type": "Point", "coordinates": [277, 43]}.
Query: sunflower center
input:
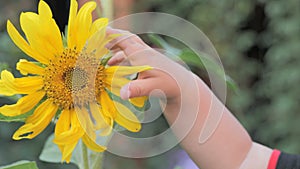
{"type": "Point", "coordinates": [74, 79]}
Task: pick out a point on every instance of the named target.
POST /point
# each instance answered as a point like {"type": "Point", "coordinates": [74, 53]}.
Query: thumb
{"type": "Point", "coordinates": [139, 88]}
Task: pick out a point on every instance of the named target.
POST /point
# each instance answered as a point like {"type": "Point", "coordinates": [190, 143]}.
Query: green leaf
{"type": "Point", "coordinates": [190, 58]}
{"type": "Point", "coordinates": [160, 42]}
{"type": "Point", "coordinates": [232, 84]}
{"type": "Point", "coordinates": [50, 152]}
{"type": "Point", "coordinates": [21, 165]}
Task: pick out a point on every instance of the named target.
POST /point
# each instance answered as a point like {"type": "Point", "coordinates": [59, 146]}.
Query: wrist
{"type": "Point", "coordinates": [257, 157]}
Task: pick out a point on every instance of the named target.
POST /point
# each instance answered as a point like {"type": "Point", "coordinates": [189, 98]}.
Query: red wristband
{"type": "Point", "coordinates": [273, 159]}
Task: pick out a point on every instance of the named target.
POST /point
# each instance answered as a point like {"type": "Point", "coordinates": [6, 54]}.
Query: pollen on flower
{"type": "Point", "coordinates": [73, 79]}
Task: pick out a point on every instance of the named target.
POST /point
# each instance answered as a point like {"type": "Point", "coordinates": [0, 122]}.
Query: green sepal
{"type": "Point", "coordinates": [21, 165]}
{"type": "Point", "coordinates": [105, 59]}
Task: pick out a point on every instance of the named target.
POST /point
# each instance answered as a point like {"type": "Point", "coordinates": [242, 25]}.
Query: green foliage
{"type": "Point", "coordinates": [21, 165]}
{"type": "Point", "coordinates": [258, 42]}
{"type": "Point", "coordinates": [52, 154]}
{"type": "Point", "coordinates": [281, 76]}
{"type": "Point", "coordinates": [9, 54]}
{"type": "Point", "coordinates": [193, 60]}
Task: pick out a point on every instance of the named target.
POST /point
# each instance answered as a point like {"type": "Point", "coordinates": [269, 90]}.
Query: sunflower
{"type": "Point", "coordinates": [69, 84]}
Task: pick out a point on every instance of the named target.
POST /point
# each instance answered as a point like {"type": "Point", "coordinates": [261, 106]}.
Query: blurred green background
{"type": "Point", "coordinates": [259, 44]}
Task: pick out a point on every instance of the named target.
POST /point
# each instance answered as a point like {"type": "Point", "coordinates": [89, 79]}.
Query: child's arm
{"type": "Point", "coordinates": [189, 102]}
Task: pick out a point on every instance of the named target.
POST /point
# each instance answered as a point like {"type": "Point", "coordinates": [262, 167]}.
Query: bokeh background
{"type": "Point", "coordinates": [258, 42]}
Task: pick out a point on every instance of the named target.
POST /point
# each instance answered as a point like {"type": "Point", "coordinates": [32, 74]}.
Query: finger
{"type": "Point", "coordinates": [128, 42]}
{"type": "Point", "coordinates": [138, 53]}
{"type": "Point", "coordinates": [150, 85]}
{"type": "Point", "coordinates": [115, 50]}
{"type": "Point", "coordinates": [126, 34]}
{"type": "Point", "coordinates": [110, 30]}
{"type": "Point", "coordinates": [117, 58]}
{"type": "Point", "coordinates": [138, 88]}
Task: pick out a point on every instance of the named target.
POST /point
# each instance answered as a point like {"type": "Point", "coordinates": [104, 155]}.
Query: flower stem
{"type": "Point", "coordinates": [99, 9]}
{"type": "Point", "coordinates": [108, 9]}
{"type": "Point", "coordinates": [85, 156]}
{"type": "Point", "coordinates": [98, 161]}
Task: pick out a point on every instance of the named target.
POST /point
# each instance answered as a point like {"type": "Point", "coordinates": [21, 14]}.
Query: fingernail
{"type": "Point", "coordinates": [124, 92]}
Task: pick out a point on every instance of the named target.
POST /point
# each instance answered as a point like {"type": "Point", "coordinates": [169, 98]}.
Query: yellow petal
{"type": "Point", "coordinates": [107, 130]}
{"type": "Point", "coordinates": [67, 151]}
{"type": "Point", "coordinates": [61, 148]}
{"type": "Point", "coordinates": [99, 25]}
{"type": "Point", "coordinates": [83, 24]}
{"type": "Point", "coordinates": [64, 122]}
{"type": "Point", "coordinates": [68, 137]}
{"type": "Point", "coordinates": [72, 29]}
{"type": "Point", "coordinates": [102, 122]}
{"type": "Point", "coordinates": [26, 67]}
{"type": "Point", "coordinates": [126, 118]}
{"type": "Point", "coordinates": [125, 70]}
{"type": "Point", "coordinates": [37, 122]}
{"type": "Point", "coordinates": [94, 44]}
{"type": "Point", "coordinates": [4, 90]}
{"type": "Point", "coordinates": [23, 105]}
{"type": "Point", "coordinates": [101, 50]}
{"type": "Point", "coordinates": [138, 101]}
{"type": "Point", "coordinates": [24, 85]}
{"type": "Point", "coordinates": [44, 10]}
{"type": "Point", "coordinates": [97, 35]}
{"type": "Point", "coordinates": [21, 43]}
{"type": "Point", "coordinates": [97, 116]}
{"type": "Point", "coordinates": [73, 134]}
{"type": "Point", "coordinates": [91, 144]}
{"type": "Point", "coordinates": [107, 105]}
{"type": "Point", "coordinates": [85, 122]}
{"type": "Point", "coordinates": [114, 84]}
{"type": "Point", "coordinates": [42, 34]}
{"type": "Point", "coordinates": [67, 158]}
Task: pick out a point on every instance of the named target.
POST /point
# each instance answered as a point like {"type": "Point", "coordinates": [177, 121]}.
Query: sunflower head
{"type": "Point", "coordinates": [68, 82]}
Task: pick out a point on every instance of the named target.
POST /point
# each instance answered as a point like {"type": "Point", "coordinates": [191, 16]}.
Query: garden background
{"type": "Point", "coordinates": [259, 44]}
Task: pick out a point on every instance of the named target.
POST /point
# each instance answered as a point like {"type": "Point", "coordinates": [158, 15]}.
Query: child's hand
{"type": "Point", "coordinates": [165, 80]}
{"type": "Point", "coordinates": [189, 102]}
